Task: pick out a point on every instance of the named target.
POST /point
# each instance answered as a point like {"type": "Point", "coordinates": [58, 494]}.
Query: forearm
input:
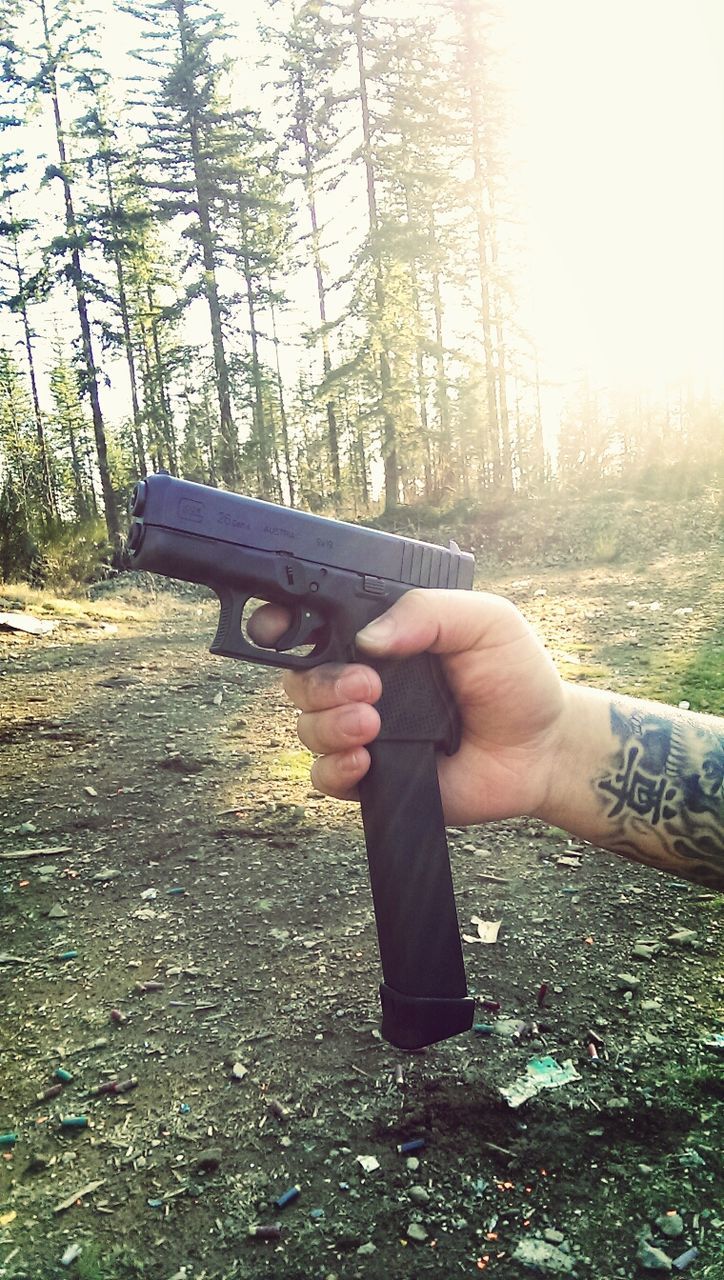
{"type": "Point", "coordinates": [643, 780]}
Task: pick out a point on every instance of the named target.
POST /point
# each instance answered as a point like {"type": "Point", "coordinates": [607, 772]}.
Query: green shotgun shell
{"type": "Point", "coordinates": [64, 1076]}
{"type": "Point", "coordinates": [8, 1139]}
{"type": "Point", "coordinates": [67, 955]}
{"type": "Point", "coordinates": [74, 1122]}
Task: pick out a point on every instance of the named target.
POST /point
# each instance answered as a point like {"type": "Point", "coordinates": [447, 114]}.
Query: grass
{"type": "Point", "coordinates": [96, 1263]}
{"type": "Point", "coordinates": [132, 606]}
{"type": "Point", "coordinates": [678, 675]}
{"type": "Point", "coordinates": [292, 766]}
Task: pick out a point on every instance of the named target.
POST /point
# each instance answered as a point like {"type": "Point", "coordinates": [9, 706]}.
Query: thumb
{"type": "Point", "coordinates": [443, 622]}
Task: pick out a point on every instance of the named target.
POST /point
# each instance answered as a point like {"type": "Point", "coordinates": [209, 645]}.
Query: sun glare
{"type": "Point", "coordinates": [618, 153]}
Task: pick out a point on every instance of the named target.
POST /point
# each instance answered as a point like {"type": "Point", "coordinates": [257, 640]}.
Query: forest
{"type": "Point", "coordinates": [318, 308]}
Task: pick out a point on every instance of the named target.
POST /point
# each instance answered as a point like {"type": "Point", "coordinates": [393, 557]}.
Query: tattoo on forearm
{"type": "Point", "coordinates": [664, 785]}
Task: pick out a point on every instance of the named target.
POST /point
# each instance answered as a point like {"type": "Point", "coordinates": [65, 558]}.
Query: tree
{"type": "Point", "coordinates": [116, 220]}
{"type": "Point", "coordinates": [314, 48]}
{"type": "Point", "coordinates": [258, 251]}
{"type": "Point", "coordinates": [389, 434]}
{"type": "Point", "coordinates": [194, 138]}
{"type": "Point", "coordinates": [56, 52]}
{"type": "Point", "coordinates": [478, 108]}
{"type": "Point", "coordinates": [19, 290]}
{"type": "Point", "coordinates": [412, 151]}
{"type": "Point", "coordinates": [72, 440]}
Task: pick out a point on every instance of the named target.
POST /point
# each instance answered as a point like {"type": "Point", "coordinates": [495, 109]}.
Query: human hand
{"type": "Point", "coordinates": [509, 695]}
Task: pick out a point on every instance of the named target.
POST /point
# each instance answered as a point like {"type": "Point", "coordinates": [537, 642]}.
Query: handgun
{"type": "Point", "coordinates": [333, 578]}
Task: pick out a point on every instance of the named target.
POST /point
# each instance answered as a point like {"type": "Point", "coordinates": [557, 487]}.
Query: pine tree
{"type": "Point", "coordinates": [195, 138]}
{"type": "Point", "coordinates": [116, 219]}
{"type": "Point", "coordinates": [389, 442]}
{"type": "Point", "coordinates": [413, 162]}
{"type": "Point", "coordinates": [314, 48]}
{"type": "Point", "coordinates": [72, 439]}
{"type": "Point", "coordinates": [18, 441]}
{"type": "Point", "coordinates": [477, 103]}
{"type": "Point", "coordinates": [18, 473]}
{"type": "Point", "coordinates": [58, 49]}
{"type": "Point", "coordinates": [19, 291]}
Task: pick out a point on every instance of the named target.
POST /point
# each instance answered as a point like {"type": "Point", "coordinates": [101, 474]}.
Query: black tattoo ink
{"type": "Point", "coordinates": [666, 783]}
{"type": "Point", "coordinates": [638, 791]}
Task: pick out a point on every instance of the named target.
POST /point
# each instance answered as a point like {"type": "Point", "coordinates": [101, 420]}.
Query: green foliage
{"type": "Point", "coordinates": [168, 209]}
{"type": "Point", "coordinates": [696, 676]}
{"type": "Point", "coordinates": [98, 1262]}
{"type": "Point", "coordinates": [607, 547]}
{"type": "Point", "coordinates": [71, 554]}
{"type": "Point", "coordinates": [18, 552]}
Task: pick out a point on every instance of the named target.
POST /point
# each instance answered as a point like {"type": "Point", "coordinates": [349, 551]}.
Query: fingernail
{"type": "Point", "coordinates": [377, 633]}
{"type": "Point", "coordinates": [348, 719]}
{"type": "Point", "coordinates": [355, 686]}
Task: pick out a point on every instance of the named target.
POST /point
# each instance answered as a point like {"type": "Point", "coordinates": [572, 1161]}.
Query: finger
{"type": "Point", "coordinates": [332, 685]}
{"type": "Point", "coordinates": [268, 623]}
{"type": "Point", "coordinates": [443, 622]}
{"type": "Point", "coordinates": [337, 775]}
{"type": "Point", "coordinates": [338, 729]}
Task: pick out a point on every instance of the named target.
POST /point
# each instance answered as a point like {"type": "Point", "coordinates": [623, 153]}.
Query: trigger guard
{"type": "Point", "coordinates": [301, 630]}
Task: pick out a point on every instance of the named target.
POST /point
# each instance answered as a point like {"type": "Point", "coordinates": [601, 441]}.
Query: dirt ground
{"type": "Point", "coordinates": [176, 841]}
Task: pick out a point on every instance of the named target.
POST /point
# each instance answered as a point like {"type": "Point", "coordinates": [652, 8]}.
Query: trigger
{"type": "Point", "coordinates": [302, 629]}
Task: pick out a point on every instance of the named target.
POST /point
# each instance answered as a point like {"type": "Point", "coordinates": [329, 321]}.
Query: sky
{"type": "Point", "coordinates": [617, 165]}
{"type": "Point", "coordinates": [616, 153]}
{"type": "Point", "coordinates": [619, 145]}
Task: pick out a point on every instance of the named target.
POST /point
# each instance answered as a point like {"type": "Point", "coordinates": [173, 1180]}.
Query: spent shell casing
{"type": "Point", "coordinates": [108, 1086]}
{"type": "Point", "coordinates": [287, 1197]}
{"type": "Point", "coordinates": [64, 1076]}
{"type": "Point", "coordinates": [684, 1259]}
{"type": "Point", "coordinates": [412, 1144]}
{"type": "Point", "coordinates": [265, 1232]}
{"type": "Point", "coordinates": [8, 1139]}
{"type": "Point", "coordinates": [74, 1122]}
{"type": "Point", "coordinates": [54, 1091]}
{"type": "Point", "coordinates": [125, 1086]}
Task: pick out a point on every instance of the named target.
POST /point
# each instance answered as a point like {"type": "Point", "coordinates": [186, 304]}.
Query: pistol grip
{"type": "Point", "coordinates": [424, 993]}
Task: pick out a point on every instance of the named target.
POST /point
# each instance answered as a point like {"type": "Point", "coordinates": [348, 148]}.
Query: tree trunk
{"type": "Point", "coordinates": [444, 471]}
{"type": "Point", "coordinates": [127, 339]}
{"type": "Point", "coordinates": [109, 497]}
{"type": "Point", "coordinates": [48, 488]}
{"type": "Point", "coordinates": [263, 458]}
{"type": "Point", "coordinates": [154, 415]}
{"type": "Point", "coordinates": [481, 229]}
{"type": "Point", "coordinates": [332, 432]}
{"type": "Point", "coordinates": [501, 369]}
{"type": "Point", "coordinates": [282, 406]}
{"type": "Point", "coordinates": [169, 432]}
{"type": "Point", "coordinates": [539, 470]}
{"type": "Point", "coordinates": [229, 453]}
{"type": "Point", "coordinates": [389, 435]}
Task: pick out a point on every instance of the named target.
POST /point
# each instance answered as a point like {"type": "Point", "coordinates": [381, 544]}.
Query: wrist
{"type": "Point", "coordinates": [565, 748]}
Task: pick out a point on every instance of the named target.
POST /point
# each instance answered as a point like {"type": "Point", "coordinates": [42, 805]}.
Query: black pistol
{"type": "Point", "coordinates": [334, 578]}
